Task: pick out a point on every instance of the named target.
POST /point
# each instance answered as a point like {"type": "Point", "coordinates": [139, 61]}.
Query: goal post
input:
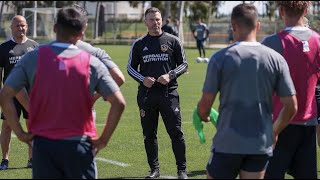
{"type": "Point", "coordinates": [40, 22]}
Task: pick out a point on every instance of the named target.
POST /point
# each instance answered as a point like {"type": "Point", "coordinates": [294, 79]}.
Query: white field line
{"type": "Point", "coordinates": [113, 162]}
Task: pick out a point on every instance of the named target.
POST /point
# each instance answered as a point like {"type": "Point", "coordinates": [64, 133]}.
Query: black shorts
{"type": "Point", "coordinates": [228, 166]}
{"type": "Point", "coordinates": [19, 109]}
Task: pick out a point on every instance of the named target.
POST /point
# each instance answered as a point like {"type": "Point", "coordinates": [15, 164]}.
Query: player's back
{"type": "Point", "coordinates": [249, 74]}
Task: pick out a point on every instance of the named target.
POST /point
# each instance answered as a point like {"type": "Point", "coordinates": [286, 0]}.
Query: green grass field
{"type": "Point", "coordinates": [125, 157]}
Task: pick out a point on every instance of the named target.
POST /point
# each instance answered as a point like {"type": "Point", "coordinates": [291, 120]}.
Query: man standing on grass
{"type": "Point", "coordinates": [296, 149]}
{"type": "Point", "coordinates": [246, 74]}
{"type": "Point", "coordinates": [11, 52]}
{"type": "Point", "coordinates": [62, 81]}
{"type": "Point", "coordinates": [156, 61]}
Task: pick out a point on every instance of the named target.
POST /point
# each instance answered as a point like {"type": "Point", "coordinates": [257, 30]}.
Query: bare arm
{"type": "Point", "coordinates": [23, 99]}
{"type": "Point", "coordinates": [290, 107]}
{"type": "Point", "coordinates": [117, 76]}
{"type": "Point", "coordinates": [6, 101]}
{"type": "Point", "coordinates": [117, 107]}
{"type": "Point", "coordinates": [204, 106]}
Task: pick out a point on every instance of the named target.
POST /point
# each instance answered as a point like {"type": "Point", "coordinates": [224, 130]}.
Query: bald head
{"type": "Point", "coordinates": [19, 28]}
{"type": "Point", "coordinates": [18, 18]}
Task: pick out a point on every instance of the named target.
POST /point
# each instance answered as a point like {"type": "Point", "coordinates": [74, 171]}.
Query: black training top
{"type": "Point", "coordinates": [154, 56]}
{"type": "Point", "coordinates": [11, 53]}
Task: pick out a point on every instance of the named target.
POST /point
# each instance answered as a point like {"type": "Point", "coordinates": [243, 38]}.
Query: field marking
{"type": "Point", "coordinates": [113, 162]}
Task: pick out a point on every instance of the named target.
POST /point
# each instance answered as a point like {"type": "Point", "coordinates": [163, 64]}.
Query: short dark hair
{"type": "Point", "coordinates": [71, 20]}
{"type": "Point", "coordinates": [151, 10]}
{"type": "Point", "coordinates": [81, 9]}
{"type": "Point", "coordinates": [245, 15]}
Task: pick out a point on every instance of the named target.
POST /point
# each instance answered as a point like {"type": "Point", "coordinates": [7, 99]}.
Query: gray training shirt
{"type": "Point", "coordinates": [23, 73]}
{"type": "Point", "coordinates": [246, 74]}
{"type": "Point", "coordinates": [97, 52]}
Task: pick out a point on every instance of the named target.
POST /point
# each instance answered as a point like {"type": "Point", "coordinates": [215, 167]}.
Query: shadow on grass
{"type": "Point", "coordinates": [197, 173]}
{"type": "Point", "coordinates": [16, 168]}
{"type": "Point", "coordinates": [128, 178]}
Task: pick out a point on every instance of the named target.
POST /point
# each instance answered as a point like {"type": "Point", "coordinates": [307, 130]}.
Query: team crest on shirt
{"type": "Point", "coordinates": [142, 113]}
{"type": "Point", "coordinates": [164, 47]}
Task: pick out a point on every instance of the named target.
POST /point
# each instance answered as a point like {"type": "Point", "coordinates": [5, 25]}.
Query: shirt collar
{"type": "Point", "coordinates": [64, 45]}
{"type": "Point", "coordinates": [12, 39]}
{"type": "Point", "coordinates": [246, 43]}
{"type": "Point", "coordinates": [296, 28]}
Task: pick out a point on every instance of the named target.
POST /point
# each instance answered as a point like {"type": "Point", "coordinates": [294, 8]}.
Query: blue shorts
{"type": "Point", "coordinates": [63, 159]}
{"type": "Point", "coordinates": [228, 166]}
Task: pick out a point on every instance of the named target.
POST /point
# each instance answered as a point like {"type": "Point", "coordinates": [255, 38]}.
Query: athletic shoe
{"type": "Point", "coordinates": [182, 174]}
{"type": "Point", "coordinates": [4, 164]}
{"type": "Point", "coordinates": [154, 173]}
{"type": "Point", "coordinates": [29, 164]}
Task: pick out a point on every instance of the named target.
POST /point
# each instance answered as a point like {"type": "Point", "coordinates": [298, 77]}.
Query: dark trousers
{"type": "Point", "coordinates": [151, 102]}
{"type": "Point", "coordinates": [295, 153]}
{"type": "Point", "coordinates": [62, 159]}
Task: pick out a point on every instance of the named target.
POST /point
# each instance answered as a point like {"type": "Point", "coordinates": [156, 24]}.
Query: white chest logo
{"type": "Point", "coordinates": [164, 47]}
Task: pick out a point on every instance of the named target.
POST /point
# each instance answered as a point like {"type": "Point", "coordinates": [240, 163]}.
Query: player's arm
{"type": "Point", "coordinates": [134, 63]}
{"type": "Point", "coordinates": [204, 105]}
{"type": "Point", "coordinates": [23, 98]}
{"type": "Point", "coordinates": [181, 63]}
{"type": "Point", "coordinates": [6, 101]}
{"type": "Point", "coordinates": [117, 107]}
{"type": "Point", "coordinates": [290, 107]}
{"type": "Point", "coordinates": [286, 91]}
{"type": "Point", "coordinates": [207, 32]}
{"type": "Point", "coordinates": [110, 91]}
{"type": "Point", "coordinates": [114, 70]}
{"type": "Point", "coordinates": [14, 83]}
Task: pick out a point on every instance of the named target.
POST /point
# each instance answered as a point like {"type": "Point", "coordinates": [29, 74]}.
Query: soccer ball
{"type": "Point", "coordinates": [205, 60]}
{"type": "Point", "coordinates": [199, 60]}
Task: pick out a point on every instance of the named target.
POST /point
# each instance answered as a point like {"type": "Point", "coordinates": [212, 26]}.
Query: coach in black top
{"type": "Point", "coordinates": [156, 61]}
{"type": "Point", "coordinates": [11, 52]}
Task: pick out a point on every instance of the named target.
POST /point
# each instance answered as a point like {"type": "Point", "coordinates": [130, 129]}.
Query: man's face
{"type": "Point", "coordinates": [153, 22]}
{"type": "Point", "coordinates": [19, 28]}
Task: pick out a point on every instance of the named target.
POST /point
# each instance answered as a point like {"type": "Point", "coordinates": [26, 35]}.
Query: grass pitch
{"type": "Point", "coordinates": [125, 157]}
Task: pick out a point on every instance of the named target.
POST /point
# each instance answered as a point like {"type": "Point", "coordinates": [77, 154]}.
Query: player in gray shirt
{"type": "Point", "coordinates": [70, 129]}
{"type": "Point", "coordinates": [246, 74]}
{"type": "Point", "coordinates": [201, 33]}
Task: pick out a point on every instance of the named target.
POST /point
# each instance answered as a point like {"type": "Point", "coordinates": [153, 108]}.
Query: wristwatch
{"type": "Point", "coordinates": [172, 74]}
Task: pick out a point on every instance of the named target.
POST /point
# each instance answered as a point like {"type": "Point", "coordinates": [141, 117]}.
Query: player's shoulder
{"type": "Point", "coordinates": [32, 42]}
{"type": "Point", "coordinates": [140, 40]}
{"type": "Point", "coordinates": [7, 42]}
{"type": "Point", "coordinates": [171, 37]}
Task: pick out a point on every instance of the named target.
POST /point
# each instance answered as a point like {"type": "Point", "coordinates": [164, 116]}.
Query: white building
{"type": "Point", "coordinates": [118, 9]}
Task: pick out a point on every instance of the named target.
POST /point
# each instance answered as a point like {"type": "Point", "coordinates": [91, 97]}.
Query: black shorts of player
{"type": "Point", "coordinates": [228, 166]}
{"type": "Point", "coordinates": [19, 108]}
{"type": "Point", "coordinates": [70, 158]}
{"type": "Point", "coordinates": [200, 43]}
